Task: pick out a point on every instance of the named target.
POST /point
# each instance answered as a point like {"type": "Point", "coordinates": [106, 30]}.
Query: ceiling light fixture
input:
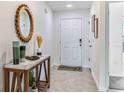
{"type": "Point", "coordinates": [69, 5]}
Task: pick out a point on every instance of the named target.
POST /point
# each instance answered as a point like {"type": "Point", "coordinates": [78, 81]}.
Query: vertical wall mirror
{"type": "Point", "coordinates": [24, 23]}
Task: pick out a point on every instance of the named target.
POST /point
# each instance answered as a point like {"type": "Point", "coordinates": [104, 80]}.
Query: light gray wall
{"type": "Point", "coordinates": [98, 51]}
{"type": "Point", "coordinates": [115, 39]}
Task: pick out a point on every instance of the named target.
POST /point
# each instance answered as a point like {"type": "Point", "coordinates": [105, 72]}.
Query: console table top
{"type": "Point", "coordinates": [27, 64]}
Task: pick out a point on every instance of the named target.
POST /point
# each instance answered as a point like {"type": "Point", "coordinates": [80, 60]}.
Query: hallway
{"type": "Point", "coordinates": [69, 33]}
{"type": "Point", "coordinates": [65, 81]}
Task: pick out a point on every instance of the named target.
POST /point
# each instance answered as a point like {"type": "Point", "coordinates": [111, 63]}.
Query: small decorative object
{"type": "Point", "coordinates": [32, 58]}
{"type": "Point", "coordinates": [34, 88]}
{"type": "Point", "coordinates": [16, 52]}
{"type": "Point", "coordinates": [39, 41]}
{"type": "Point", "coordinates": [22, 53]}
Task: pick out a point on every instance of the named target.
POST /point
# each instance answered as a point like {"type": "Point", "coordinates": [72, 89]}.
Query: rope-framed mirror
{"type": "Point", "coordinates": [24, 23]}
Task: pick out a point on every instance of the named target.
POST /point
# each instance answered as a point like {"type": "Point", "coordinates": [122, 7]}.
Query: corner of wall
{"type": "Point", "coordinates": [99, 87]}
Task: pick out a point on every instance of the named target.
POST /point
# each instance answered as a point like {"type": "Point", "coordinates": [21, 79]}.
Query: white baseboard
{"type": "Point", "coordinates": [86, 66]}
{"type": "Point", "coordinates": [97, 84]}
{"type": "Point", "coordinates": [100, 88]}
{"type": "Point", "coordinates": [55, 64]}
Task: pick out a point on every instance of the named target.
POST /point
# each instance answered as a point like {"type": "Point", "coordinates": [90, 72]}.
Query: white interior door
{"type": "Point", "coordinates": [71, 42]}
{"type": "Point", "coordinates": [115, 39]}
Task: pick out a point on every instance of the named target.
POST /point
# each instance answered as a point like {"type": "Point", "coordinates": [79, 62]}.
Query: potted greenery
{"type": "Point", "coordinates": [32, 82]}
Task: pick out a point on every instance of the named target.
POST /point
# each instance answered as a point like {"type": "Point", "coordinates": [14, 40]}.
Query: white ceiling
{"type": "Point", "coordinates": [61, 5]}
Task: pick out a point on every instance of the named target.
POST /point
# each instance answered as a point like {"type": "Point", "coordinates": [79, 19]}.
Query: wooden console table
{"type": "Point", "coordinates": [23, 69]}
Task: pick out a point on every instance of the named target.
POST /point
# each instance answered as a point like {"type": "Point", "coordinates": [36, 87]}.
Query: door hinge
{"type": "Point", "coordinates": [108, 12]}
{"type": "Point", "coordinates": [89, 22]}
{"type": "Point", "coordinates": [89, 59]}
{"type": "Point", "coordinates": [108, 73]}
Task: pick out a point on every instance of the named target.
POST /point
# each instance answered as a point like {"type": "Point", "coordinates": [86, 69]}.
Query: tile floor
{"type": "Point", "coordinates": [71, 81]}
{"type": "Point", "coordinates": [116, 82]}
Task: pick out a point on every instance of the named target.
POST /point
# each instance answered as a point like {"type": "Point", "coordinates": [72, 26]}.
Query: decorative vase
{"type": "Point", "coordinates": [39, 52]}
{"type": "Point", "coordinates": [22, 53]}
{"type": "Point", "coordinates": [16, 52]}
{"type": "Point", "coordinates": [39, 41]}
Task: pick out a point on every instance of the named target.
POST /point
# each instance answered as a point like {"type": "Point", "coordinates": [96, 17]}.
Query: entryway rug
{"type": "Point", "coordinates": [68, 68]}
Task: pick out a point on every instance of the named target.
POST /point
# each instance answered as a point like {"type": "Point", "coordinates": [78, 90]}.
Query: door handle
{"type": "Point", "coordinates": [90, 45]}
{"type": "Point", "coordinates": [80, 40]}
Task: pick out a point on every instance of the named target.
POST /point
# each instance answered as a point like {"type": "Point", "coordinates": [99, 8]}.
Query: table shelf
{"type": "Point", "coordinates": [42, 86]}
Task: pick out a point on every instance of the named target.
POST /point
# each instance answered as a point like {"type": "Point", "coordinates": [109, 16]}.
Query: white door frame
{"type": "Point", "coordinates": [61, 18]}
{"type": "Point", "coordinates": [107, 46]}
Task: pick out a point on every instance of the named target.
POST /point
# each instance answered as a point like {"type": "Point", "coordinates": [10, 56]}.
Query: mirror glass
{"type": "Point", "coordinates": [24, 23]}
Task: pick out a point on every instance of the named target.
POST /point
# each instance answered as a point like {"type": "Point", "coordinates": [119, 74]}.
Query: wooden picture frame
{"type": "Point", "coordinates": [96, 28]}
{"type": "Point", "coordinates": [19, 10]}
{"type": "Point", "coordinates": [93, 23]}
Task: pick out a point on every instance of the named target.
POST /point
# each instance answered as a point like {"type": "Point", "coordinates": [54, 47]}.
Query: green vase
{"type": "Point", "coordinates": [22, 53]}
{"type": "Point", "coordinates": [16, 52]}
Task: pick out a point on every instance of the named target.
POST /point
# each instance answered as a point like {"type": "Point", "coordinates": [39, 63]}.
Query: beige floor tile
{"type": "Point", "coordinates": [72, 81]}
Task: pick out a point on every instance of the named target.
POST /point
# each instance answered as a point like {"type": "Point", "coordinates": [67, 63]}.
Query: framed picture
{"type": "Point", "coordinates": [93, 23]}
{"type": "Point", "coordinates": [96, 28]}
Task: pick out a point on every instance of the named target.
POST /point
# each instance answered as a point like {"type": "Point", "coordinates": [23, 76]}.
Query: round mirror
{"type": "Point", "coordinates": [24, 23]}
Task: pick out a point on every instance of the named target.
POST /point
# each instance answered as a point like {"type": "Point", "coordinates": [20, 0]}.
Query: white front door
{"type": "Point", "coordinates": [71, 42]}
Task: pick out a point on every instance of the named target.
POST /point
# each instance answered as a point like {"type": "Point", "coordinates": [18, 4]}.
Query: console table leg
{"type": "Point", "coordinates": [37, 73]}
{"type": "Point", "coordinates": [48, 71]}
{"type": "Point", "coordinates": [45, 72]}
{"type": "Point", "coordinates": [19, 88]}
{"type": "Point", "coordinates": [13, 82]}
{"type": "Point", "coordinates": [6, 80]}
{"type": "Point", "coordinates": [26, 80]}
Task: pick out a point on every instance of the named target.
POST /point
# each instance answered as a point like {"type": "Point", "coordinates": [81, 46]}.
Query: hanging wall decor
{"type": "Point", "coordinates": [96, 28]}
{"type": "Point", "coordinates": [93, 23]}
{"type": "Point", "coordinates": [24, 23]}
